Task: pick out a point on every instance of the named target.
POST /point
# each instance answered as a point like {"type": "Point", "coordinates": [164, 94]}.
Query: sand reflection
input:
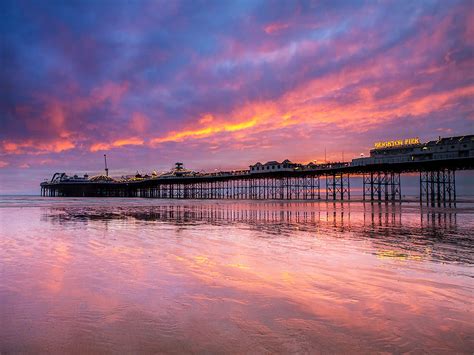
{"type": "Point", "coordinates": [237, 277]}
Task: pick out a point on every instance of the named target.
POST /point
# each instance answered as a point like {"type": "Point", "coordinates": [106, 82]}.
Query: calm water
{"type": "Point", "coordinates": [134, 275]}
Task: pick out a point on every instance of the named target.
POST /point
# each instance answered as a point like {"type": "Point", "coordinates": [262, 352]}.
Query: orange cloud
{"type": "Point", "coordinates": [206, 130]}
{"type": "Point", "coordinates": [37, 147]}
{"type": "Point", "coordinates": [115, 144]}
{"type": "Point", "coordinates": [99, 146]}
{"type": "Point", "coordinates": [53, 131]}
{"type": "Point", "coordinates": [312, 105]}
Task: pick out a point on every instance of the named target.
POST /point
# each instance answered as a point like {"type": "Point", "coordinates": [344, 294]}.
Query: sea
{"type": "Point", "coordinates": [126, 275]}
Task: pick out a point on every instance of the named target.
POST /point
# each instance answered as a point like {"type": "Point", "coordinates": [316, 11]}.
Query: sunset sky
{"type": "Point", "coordinates": [222, 84]}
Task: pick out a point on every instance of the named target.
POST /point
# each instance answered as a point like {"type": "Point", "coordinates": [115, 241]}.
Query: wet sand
{"type": "Point", "coordinates": [139, 276]}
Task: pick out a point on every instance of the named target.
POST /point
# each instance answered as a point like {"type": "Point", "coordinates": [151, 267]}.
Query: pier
{"type": "Point", "coordinates": [436, 163]}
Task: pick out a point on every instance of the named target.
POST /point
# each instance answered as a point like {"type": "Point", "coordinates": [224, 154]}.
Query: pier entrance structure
{"type": "Point", "coordinates": [436, 162]}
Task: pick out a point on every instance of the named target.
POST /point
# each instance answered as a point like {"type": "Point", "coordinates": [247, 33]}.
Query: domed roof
{"type": "Point", "coordinates": [101, 178]}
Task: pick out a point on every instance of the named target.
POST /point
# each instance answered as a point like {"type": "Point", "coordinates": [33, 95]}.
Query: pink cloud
{"type": "Point", "coordinates": [275, 27]}
{"type": "Point", "coordinates": [139, 122]}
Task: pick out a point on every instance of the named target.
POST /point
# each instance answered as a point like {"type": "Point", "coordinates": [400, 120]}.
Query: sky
{"type": "Point", "coordinates": [224, 84]}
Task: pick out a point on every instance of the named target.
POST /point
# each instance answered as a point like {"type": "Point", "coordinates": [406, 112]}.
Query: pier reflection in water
{"type": "Point", "coordinates": [189, 276]}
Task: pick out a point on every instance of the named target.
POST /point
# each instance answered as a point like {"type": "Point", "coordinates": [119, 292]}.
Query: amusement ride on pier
{"type": "Point", "coordinates": [436, 162]}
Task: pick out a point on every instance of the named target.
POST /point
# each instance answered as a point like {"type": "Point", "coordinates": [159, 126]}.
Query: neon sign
{"type": "Point", "coordinates": [397, 143]}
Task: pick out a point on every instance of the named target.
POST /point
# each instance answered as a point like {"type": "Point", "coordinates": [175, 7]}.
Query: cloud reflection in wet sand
{"type": "Point", "coordinates": [236, 277]}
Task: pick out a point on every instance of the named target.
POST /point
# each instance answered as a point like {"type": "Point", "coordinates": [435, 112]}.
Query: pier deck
{"type": "Point", "coordinates": [381, 182]}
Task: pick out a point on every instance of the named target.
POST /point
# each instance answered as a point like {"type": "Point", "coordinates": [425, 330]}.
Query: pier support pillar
{"type": "Point", "coordinates": [381, 186]}
{"type": "Point", "coordinates": [438, 187]}
{"type": "Point", "coordinates": [338, 186]}
{"type": "Point", "coordinates": [311, 188]}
